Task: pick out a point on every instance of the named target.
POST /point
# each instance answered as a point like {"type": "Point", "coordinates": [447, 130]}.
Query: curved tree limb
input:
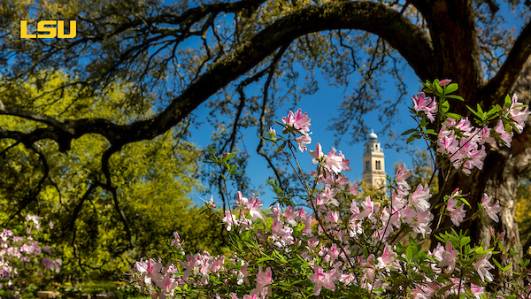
{"type": "Point", "coordinates": [378, 19]}
{"type": "Point", "coordinates": [498, 86]}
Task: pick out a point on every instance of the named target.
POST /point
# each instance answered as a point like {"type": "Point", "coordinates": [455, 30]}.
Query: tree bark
{"type": "Point", "coordinates": [455, 46]}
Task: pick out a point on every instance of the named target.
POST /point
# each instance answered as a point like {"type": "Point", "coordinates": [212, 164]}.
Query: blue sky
{"type": "Point", "coordinates": [323, 106]}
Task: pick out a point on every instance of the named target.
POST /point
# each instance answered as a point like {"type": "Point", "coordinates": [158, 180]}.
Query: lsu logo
{"type": "Point", "coordinates": [48, 29]}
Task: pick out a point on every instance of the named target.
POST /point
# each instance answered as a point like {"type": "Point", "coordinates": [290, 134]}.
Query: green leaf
{"type": "Point", "coordinates": [281, 147]}
{"type": "Point", "coordinates": [262, 260]}
{"type": "Point", "coordinates": [456, 97]}
{"type": "Point", "coordinates": [464, 201]}
{"type": "Point", "coordinates": [454, 115]}
{"type": "Point", "coordinates": [496, 263]}
{"type": "Point", "coordinates": [431, 132]}
{"type": "Point", "coordinates": [410, 252]}
{"type": "Point", "coordinates": [476, 113]}
{"type": "Point", "coordinates": [507, 268]}
{"type": "Point", "coordinates": [451, 88]}
{"type": "Point", "coordinates": [464, 241]}
{"type": "Point", "coordinates": [407, 132]}
{"type": "Point", "coordinates": [412, 138]}
{"type": "Point", "coordinates": [445, 106]}
{"type": "Point", "coordinates": [438, 87]}
{"type": "Point", "coordinates": [507, 102]}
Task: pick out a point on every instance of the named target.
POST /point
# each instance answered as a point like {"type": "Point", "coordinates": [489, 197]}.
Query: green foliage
{"type": "Point", "coordinates": [152, 179]}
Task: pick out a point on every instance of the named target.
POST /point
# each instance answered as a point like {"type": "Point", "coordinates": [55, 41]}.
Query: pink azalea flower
{"type": "Point", "coordinates": [6, 234]}
{"type": "Point", "coordinates": [368, 208]}
{"type": "Point", "coordinates": [462, 143]}
{"type": "Point", "coordinates": [327, 196]}
{"type": "Point", "coordinates": [447, 142]}
{"type": "Point", "coordinates": [290, 216]}
{"type": "Point", "coordinates": [425, 104]}
{"type": "Point", "coordinates": [272, 133]}
{"type": "Point", "coordinates": [240, 200]}
{"type": "Point", "coordinates": [446, 255]}
{"type": "Point", "coordinates": [153, 267]}
{"type": "Point", "coordinates": [263, 280]}
{"type": "Point", "coordinates": [424, 290]}
{"type": "Point", "coordinates": [336, 161]}
{"type": "Point", "coordinates": [419, 198]}
{"type": "Point", "coordinates": [422, 222]}
{"type": "Point", "coordinates": [210, 203]}
{"type": "Point", "coordinates": [176, 240]}
{"type": "Point", "coordinates": [242, 274]}
{"type": "Point", "coordinates": [401, 173]}
{"type": "Point", "coordinates": [444, 82]}
{"type": "Point", "coordinates": [217, 264]}
{"type": "Point", "coordinates": [476, 290]}
{"type": "Point", "coordinates": [505, 136]}
{"type": "Point", "coordinates": [166, 283]}
{"type": "Point", "coordinates": [464, 125]}
{"type": "Point", "coordinates": [313, 242]}
{"type": "Point", "coordinates": [230, 220]}
{"type": "Point", "coordinates": [353, 189]}
{"type": "Point", "coordinates": [282, 235]}
{"type": "Point", "coordinates": [298, 120]}
{"type": "Point", "coordinates": [402, 190]}
{"type": "Point", "coordinates": [456, 211]}
{"type": "Point", "coordinates": [388, 259]}
{"type": "Point", "coordinates": [456, 286]}
{"type": "Point", "coordinates": [332, 216]}
{"type": "Point", "coordinates": [333, 252]}
{"type": "Point", "coordinates": [519, 113]}
{"type": "Point", "coordinates": [301, 214]}
{"type": "Point", "coordinates": [486, 137]}
{"type": "Point", "coordinates": [55, 265]}
{"type": "Point", "coordinates": [483, 266]}
{"type": "Point", "coordinates": [398, 202]}
{"type": "Point", "coordinates": [150, 270]}
{"type": "Point", "coordinates": [322, 279]}
{"type": "Point", "coordinates": [347, 279]}
{"type": "Point", "coordinates": [302, 141]}
{"type": "Point", "coordinates": [393, 218]}
{"type": "Point", "coordinates": [307, 231]}
{"type": "Point", "coordinates": [254, 205]}
{"type": "Point", "coordinates": [317, 154]}
{"type": "Point", "coordinates": [355, 227]}
{"type": "Point", "coordinates": [491, 207]}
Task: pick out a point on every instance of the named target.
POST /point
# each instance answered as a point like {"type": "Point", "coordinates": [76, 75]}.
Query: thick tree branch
{"type": "Point", "coordinates": [423, 6]}
{"type": "Point", "coordinates": [501, 83]}
{"type": "Point", "coordinates": [376, 18]}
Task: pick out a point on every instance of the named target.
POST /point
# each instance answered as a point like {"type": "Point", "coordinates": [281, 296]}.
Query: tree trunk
{"type": "Point", "coordinates": [455, 45]}
{"type": "Point", "coordinates": [501, 184]}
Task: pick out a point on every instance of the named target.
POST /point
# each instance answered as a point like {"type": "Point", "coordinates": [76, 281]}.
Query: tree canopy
{"type": "Point", "coordinates": [100, 229]}
{"type": "Point", "coordinates": [168, 58]}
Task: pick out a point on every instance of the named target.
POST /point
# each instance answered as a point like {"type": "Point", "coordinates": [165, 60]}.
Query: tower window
{"type": "Point", "coordinates": [378, 165]}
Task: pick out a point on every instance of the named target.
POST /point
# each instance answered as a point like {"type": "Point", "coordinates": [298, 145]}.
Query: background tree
{"type": "Point", "coordinates": [99, 230]}
{"type": "Point", "coordinates": [178, 55]}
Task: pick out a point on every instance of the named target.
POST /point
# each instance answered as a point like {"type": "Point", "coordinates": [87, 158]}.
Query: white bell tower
{"type": "Point", "coordinates": [374, 164]}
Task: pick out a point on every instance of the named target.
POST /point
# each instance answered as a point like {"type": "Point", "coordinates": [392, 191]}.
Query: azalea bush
{"type": "Point", "coordinates": [25, 263]}
{"type": "Point", "coordinates": [341, 243]}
